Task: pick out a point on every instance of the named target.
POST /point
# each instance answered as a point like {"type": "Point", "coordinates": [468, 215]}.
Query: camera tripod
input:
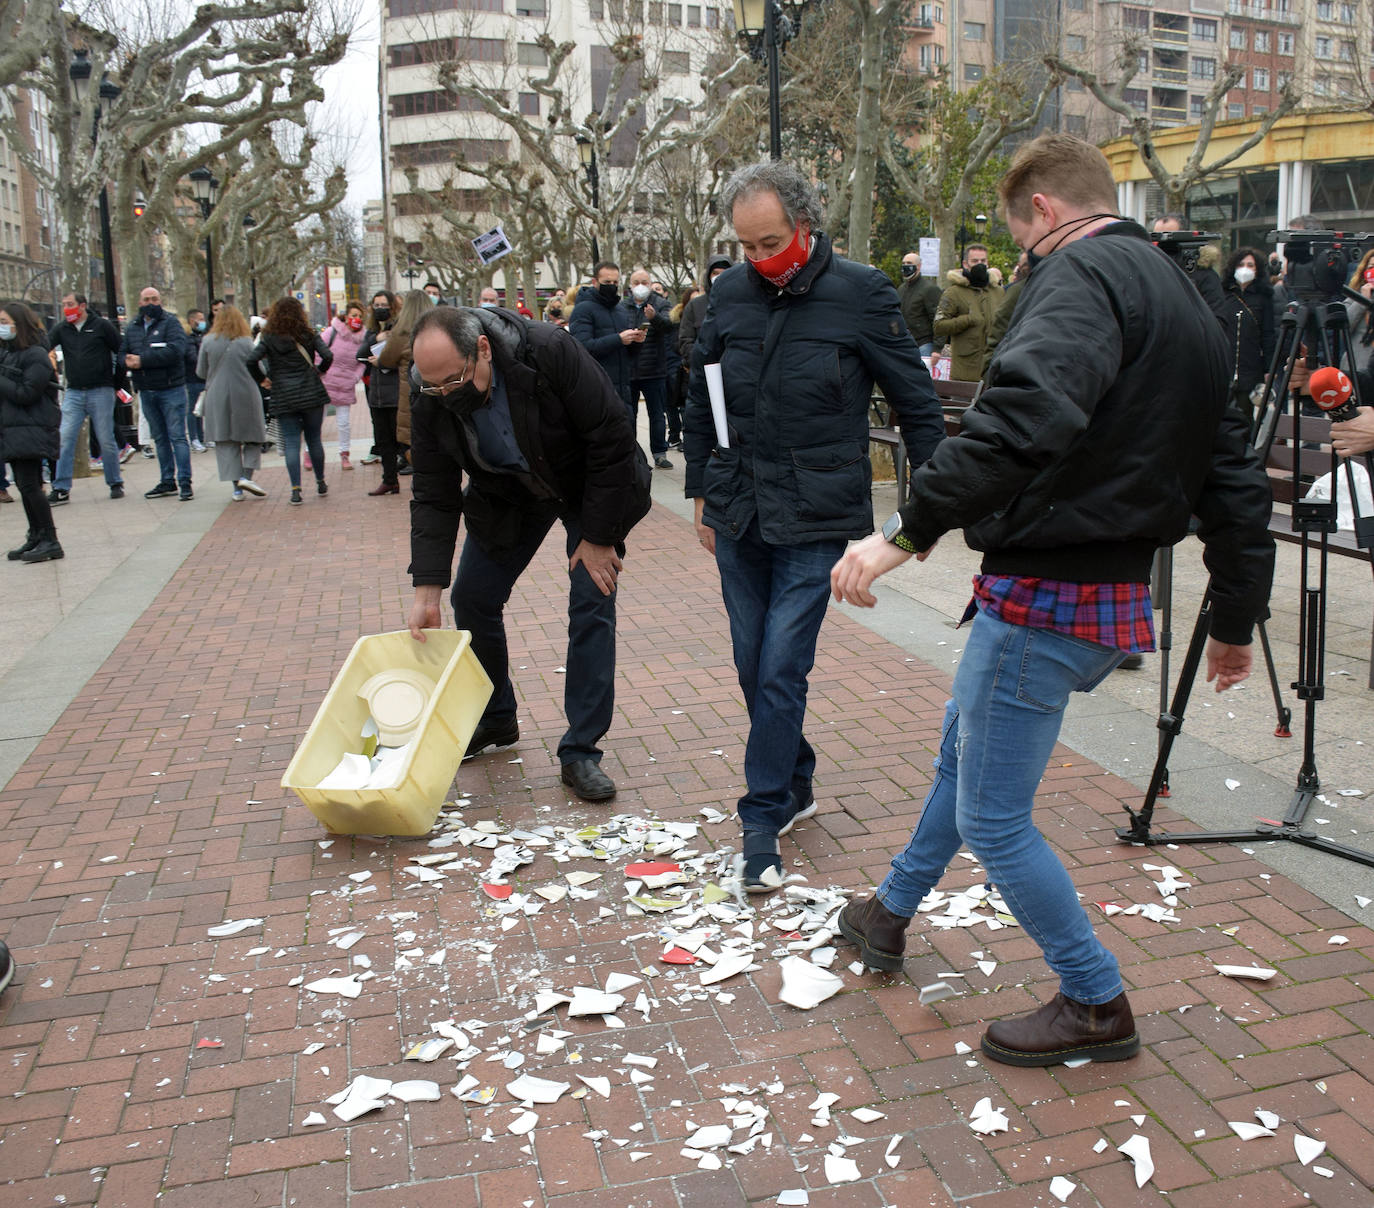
{"type": "Point", "coordinates": [1326, 337]}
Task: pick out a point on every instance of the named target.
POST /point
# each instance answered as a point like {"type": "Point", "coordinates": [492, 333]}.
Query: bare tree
{"type": "Point", "coordinates": [1110, 91]}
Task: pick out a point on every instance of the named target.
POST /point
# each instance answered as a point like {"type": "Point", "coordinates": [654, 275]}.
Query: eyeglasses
{"type": "Point", "coordinates": [444, 388]}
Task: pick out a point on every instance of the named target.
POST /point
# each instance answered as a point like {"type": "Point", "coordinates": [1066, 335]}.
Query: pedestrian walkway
{"type": "Point", "coordinates": [149, 1062]}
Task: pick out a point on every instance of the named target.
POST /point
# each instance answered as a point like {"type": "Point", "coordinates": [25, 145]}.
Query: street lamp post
{"type": "Point", "coordinates": [205, 188]}
{"type": "Point", "coordinates": [586, 152]}
{"type": "Point", "coordinates": [767, 30]}
{"type": "Point", "coordinates": [248, 225]}
{"type": "Point", "coordinates": [80, 74]}
{"type": "Point", "coordinates": [411, 274]}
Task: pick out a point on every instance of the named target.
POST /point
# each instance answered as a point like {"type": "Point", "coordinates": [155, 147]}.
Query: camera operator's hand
{"type": "Point", "coordinates": [1301, 373]}
{"type": "Point", "coordinates": [1354, 436]}
{"type": "Point", "coordinates": [1228, 665]}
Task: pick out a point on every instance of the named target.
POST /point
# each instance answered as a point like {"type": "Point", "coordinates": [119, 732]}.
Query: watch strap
{"type": "Point", "coordinates": [903, 542]}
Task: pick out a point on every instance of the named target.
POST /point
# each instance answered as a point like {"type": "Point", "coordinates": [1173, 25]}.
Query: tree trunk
{"type": "Point", "coordinates": [947, 229]}
{"type": "Point", "coordinates": [867, 132]}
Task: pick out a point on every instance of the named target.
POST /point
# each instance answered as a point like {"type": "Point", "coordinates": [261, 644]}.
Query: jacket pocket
{"type": "Point", "coordinates": [832, 482]}
{"type": "Point", "coordinates": [720, 481]}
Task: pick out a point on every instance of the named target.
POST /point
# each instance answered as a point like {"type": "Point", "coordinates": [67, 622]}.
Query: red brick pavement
{"type": "Point", "coordinates": [152, 811]}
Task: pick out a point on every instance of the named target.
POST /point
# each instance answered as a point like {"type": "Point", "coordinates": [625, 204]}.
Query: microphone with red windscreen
{"type": "Point", "coordinates": [1331, 390]}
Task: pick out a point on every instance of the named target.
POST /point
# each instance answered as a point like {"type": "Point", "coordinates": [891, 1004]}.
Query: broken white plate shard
{"type": "Point", "coordinates": [986, 1119]}
{"type": "Point", "coordinates": [586, 1001]}
{"type": "Point", "coordinates": [1076, 1062]}
{"type": "Point", "coordinates": [547, 1045]}
{"type": "Point", "coordinates": [523, 1123]}
{"type": "Point", "coordinates": [639, 1077]}
{"type": "Point", "coordinates": [1307, 1147]}
{"type": "Point", "coordinates": [232, 927]}
{"type": "Point", "coordinates": [616, 982]}
{"type": "Point", "coordinates": [1268, 1119]}
{"type": "Point", "coordinates": [348, 987]}
{"type": "Point", "coordinates": [804, 985]}
{"type": "Point", "coordinates": [728, 966]}
{"type": "Point", "coordinates": [1100, 1145]}
{"type": "Point", "coordinates": [311, 1049]}
{"type": "Point", "coordinates": [890, 1156]}
{"type": "Point", "coordinates": [1247, 1131]}
{"type": "Point", "coordinates": [546, 1002]}
{"type": "Point", "coordinates": [552, 893]}
{"type": "Point", "coordinates": [580, 879]}
{"type": "Point", "coordinates": [710, 1136]}
{"type": "Point", "coordinates": [935, 992]}
{"type": "Point", "coordinates": [345, 942]}
{"type": "Point", "coordinates": [841, 1170]}
{"type": "Point", "coordinates": [416, 1090]}
{"type": "Point", "coordinates": [1233, 785]}
{"type": "Point", "coordinates": [529, 1089]}
{"type": "Point", "coordinates": [799, 1198]}
{"type": "Point", "coordinates": [637, 1059]}
{"type": "Point", "coordinates": [1250, 971]}
{"type": "Point", "coordinates": [1137, 1148]}
{"type": "Point", "coordinates": [961, 1048]}
{"type": "Point", "coordinates": [1138, 1121]}
{"type": "Point", "coordinates": [602, 1086]}
{"type": "Point", "coordinates": [1324, 1172]}
{"type": "Point", "coordinates": [709, 1161]}
{"type": "Point", "coordinates": [355, 1106]}
{"type": "Point", "coordinates": [986, 967]}
{"type": "Point", "coordinates": [430, 1049]}
{"type": "Point", "coordinates": [1061, 1188]}
{"type": "Point", "coordinates": [314, 1118]}
{"type": "Point", "coordinates": [867, 1115]}
{"type": "Point", "coordinates": [1362, 902]}
{"type": "Point", "coordinates": [1338, 940]}
{"type": "Point", "coordinates": [454, 1033]}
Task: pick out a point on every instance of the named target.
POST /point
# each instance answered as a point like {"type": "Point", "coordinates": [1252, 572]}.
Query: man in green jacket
{"type": "Point", "coordinates": [967, 309]}
{"type": "Point", "coordinates": [920, 299]}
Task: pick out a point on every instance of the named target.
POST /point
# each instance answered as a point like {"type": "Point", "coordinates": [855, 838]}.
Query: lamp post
{"type": "Point", "coordinates": [767, 30]}
{"type": "Point", "coordinates": [411, 274]}
{"type": "Point", "coordinates": [586, 152]}
{"type": "Point", "coordinates": [80, 74]}
{"type": "Point", "coordinates": [248, 225]}
{"type": "Point", "coordinates": [205, 189]}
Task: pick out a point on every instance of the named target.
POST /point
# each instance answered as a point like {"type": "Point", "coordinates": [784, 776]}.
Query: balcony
{"type": "Point", "coordinates": [1167, 113]}
{"type": "Point", "coordinates": [1169, 37]}
{"type": "Point", "coordinates": [1171, 75]}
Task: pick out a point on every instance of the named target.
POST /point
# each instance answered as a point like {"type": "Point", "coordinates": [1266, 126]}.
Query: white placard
{"type": "Point", "coordinates": [715, 387]}
{"type": "Point", "coordinates": [492, 246]}
{"type": "Point", "coordinates": [930, 256]}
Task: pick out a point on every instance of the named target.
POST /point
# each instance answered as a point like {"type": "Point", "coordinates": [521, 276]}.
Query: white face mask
{"type": "Point", "coordinates": [1244, 275]}
{"type": "Point", "coordinates": [641, 292]}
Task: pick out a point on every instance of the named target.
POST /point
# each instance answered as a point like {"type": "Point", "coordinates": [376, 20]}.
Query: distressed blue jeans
{"type": "Point", "coordinates": [1010, 692]}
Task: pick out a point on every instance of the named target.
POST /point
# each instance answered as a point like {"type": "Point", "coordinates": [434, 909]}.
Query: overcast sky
{"type": "Point", "coordinates": [350, 108]}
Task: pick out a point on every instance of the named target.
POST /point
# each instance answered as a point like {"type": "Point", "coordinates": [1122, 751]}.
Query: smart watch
{"type": "Point", "coordinates": [892, 531]}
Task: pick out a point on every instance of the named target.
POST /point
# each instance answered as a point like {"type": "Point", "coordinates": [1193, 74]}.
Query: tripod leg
{"type": "Point", "coordinates": [1283, 714]}
{"type": "Point", "coordinates": [1162, 594]}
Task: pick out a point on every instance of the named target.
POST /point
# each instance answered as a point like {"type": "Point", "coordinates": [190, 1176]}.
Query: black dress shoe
{"type": "Point", "coordinates": [588, 781]}
{"type": "Point", "coordinates": [1064, 1030]}
{"type": "Point", "coordinates": [1132, 662]}
{"type": "Point", "coordinates": [495, 736]}
{"type": "Point", "coordinates": [879, 934]}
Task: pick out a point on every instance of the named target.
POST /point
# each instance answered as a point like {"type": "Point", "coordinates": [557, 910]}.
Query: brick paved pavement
{"type": "Point", "coordinates": [151, 811]}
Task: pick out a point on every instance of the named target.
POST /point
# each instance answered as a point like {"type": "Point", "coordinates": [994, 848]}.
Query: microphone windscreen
{"type": "Point", "coordinates": [1329, 387]}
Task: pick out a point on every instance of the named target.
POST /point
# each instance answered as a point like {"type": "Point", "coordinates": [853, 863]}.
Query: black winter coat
{"type": "Point", "coordinates": [799, 366]}
{"type": "Point", "coordinates": [383, 385]}
{"type": "Point", "coordinates": [572, 430]}
{"type": "Point", "coordinates": [1249, 332]}
{"type": "Point", "coordinates": [596, 324]}
{"type": "Point", "coordinates": [1102, 427]}
{"type": "Point", "coordinates": [295, 377]}
{"type": "Point", "coordinates": [161, 347]}
{"type": "Point", "coordinates": [29, 414]}
{"type": "Point", "coordinates": [650, 359]}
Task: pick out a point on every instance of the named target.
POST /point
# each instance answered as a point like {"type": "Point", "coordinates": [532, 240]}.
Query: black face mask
{"type": "Point", "coordinates": [1033, 257]}
{"type": "Point", "coordinates": [466, 399]}
{"type": "Point", "coordinates": [152, 311]}
{"type": "Point", "coordinates": [609, 290]}
{"type": "Point", "coordinates": [380, 314]}
{"type": "Point", "coordinates": [909, 270]}
{"type": "Point", "coordinates": [555, 311]}
{"type": "Point", "coordinates": [977, 275]}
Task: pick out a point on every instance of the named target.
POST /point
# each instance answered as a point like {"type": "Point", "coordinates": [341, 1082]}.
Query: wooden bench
{"type": "Point", "coordinates": [1314, 458]}
{"type": "Point", "coordinates": [954, 398]}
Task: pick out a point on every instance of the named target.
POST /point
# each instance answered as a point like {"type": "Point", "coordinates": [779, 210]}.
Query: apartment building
{"type": "Point", "coordinates": [497, 44]}
{"type": "Point", "coordinates": [30, 254]}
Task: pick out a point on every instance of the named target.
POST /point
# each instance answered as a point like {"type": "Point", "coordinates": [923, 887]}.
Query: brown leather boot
{"type": "Point", "coordinates": [879, 934]}
{"type": "Point", "coordinates": [1064, 1030]}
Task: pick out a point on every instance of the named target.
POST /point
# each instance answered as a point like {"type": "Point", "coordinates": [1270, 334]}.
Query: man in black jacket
{"type": "Point", "coordinates": [1102, 427]}
{"type": "Point", "coordinates": [606, 327]}
{"type": "Point", "coordinates": [522, 409]}
{"type": "Point", "coordinates": [800, 336]}
{"type": "Point", "coordinates": [89, 345]}
{"type": "Point", "coordinates": [920, 299]}
{"type": "Point", "coordinates": [694, 313]}
{"type": "Point", "coordinates": [154, 351]}
{"type": "Point", "coordinates": [649, 361]}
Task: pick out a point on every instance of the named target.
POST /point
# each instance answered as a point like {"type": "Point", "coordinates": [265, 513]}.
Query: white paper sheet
{"type": "Point", "coordinates": [715, 387]}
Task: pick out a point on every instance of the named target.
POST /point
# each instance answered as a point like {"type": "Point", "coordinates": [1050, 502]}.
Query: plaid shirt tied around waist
{"type": "Point", "coordinates": [1110, 614]}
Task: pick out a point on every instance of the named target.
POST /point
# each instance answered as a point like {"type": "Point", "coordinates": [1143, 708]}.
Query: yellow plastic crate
{"type": "Point", "coordinates": [446, 726]}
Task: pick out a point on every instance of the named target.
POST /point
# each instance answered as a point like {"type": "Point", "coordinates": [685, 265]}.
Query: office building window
{"type": "Point", "coordinates": [1235, 109]}
{"type": "Point", "coordinates": [1204, 31]}
{"type": "Point", "coordinates": [1204, 69]}
{"type": "Point", "coordinates": [1135, 18]}
{"type": "Point", "coordinates": [1285, 44]}
{"type": "Point", "coordinates": [1239, 36]}
{"type": "Point", "coordinates": [530, 55]}
{"type": "Point", "coordinates": [1075, 123]}
{"type": "Point", "coordinates": [1075, 44]}
{"type": "Point", "coordinates": [529, 104]}
{"type": "Point", "coordinates": [1322, 46]}
{"type": "Point", "coordinates": [531, 8]}
{"type": "Point", "coordinates": [1263, 41]}
{"type": "Point", "coordinates": [1260, 79]}
{"type": "Point", "coordinates": [975, 31]}
{"type": "Point", "coordinates": [676, 62]}
{"type": "Point", "coordinates": [1240, 81]}
{"type": "Point", "coordinates": [1195, 104]}
{"type": "Point", "coordinates": [1324, 10]}
{"type": "Point", "coordinates": [973, 71]}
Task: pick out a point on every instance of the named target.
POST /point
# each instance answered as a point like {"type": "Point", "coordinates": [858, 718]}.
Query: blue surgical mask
{"type": "Point", "coordinates": [201, 326]}
{"type": "Point", "coordinates": [488, 305]}
{"type": "Point", "coordinates": [6, 331]}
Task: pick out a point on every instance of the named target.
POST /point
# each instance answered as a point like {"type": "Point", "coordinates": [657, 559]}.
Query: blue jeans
{"type": "Point", "coordinates": [926, 349]}
{"type": "Point", "coordinates": [481, 588]}
{"type": "Point", "coordinates": [775, 596]}
{"type": "Point", "coordinates": [293, 425]}
{"type": "Point", "coordinates": [195, 424]}
{"type": "Point", "coordinates": [1000, 729]}
{"type": "Point", "coordinates": [97, 403]}
{"type": "Point", "coordinates": [165, 411]}
{"type": "Point", "coordinates": [655, 392]}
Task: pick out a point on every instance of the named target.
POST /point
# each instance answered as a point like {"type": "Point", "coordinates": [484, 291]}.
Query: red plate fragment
{"type": "Point", "coordinates": [678, 956]}
{"type": "Point", "coordinates": [1109, 908]}
{"type": "Point", "coordinates": [498, 893]}
{"type": "Point", "coordinates": [209, 1044]}
{"type": "Point", "coordinates": [653, 869]}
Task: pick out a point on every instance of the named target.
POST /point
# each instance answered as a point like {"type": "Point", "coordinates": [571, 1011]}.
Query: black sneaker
{"type": "Point", "coordinates": [47, 550]}
{"type": "Point", "coordinates": [6, 965]}
{"type": "Point", "coordinates": [161, 490]}
{"type": "Point", "coordinates": [662, 463]}
{"type": "Point", "coordinates": [321, 487]}
{"type": "Point", "coordinates": [187, 493]}
{"type": "Point", "coordinates": [762, 863]}
{"type": "Point", "coordinates": [296, 495]}
{"type": "Point", "coordinates": [493, 736]}
{"type": "Point", "coordinates": [58, 496]}
{"type": "Point", "coordinates": [117, 491]}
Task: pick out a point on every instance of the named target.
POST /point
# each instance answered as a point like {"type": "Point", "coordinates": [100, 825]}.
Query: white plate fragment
{"type": "Point", "coordinates": [1247, 1131]}
{"type": "Point", "coordinates": [867, 1115]}
{"type": "Point", "coordinates": [1307, 1147]}
{"type": "Point", "coordinates": [1250, 971]}
{"type": "Point", "coordinates": [586, 1001]}
{"type": "Point", "coordinates": [730, 964]}
{"type": "Point", "coordinates": [890, 1155]}
{"type": "Point", "coordinates": [797, 1198]}
{"type": "Point", "coordinates": [1137, 1148]}
{"type": "Point", "coordinates": [804, 985]}
{"type": "Point", "coordinates": [430, 1049]}
{"type": "Point", "coordinates": [416, 1090]}
{"type": "Point", "coordinates": [1338, 940]}
{"type": "Point", "coordinates": [523, 1123]}
{"type": "Point", "coordinates": [986, 1119]}
{"type": "Point", "coordinates": [602, 1086]}
{"type": "Point", "coordinates": [313, 1118]}
{"type": "Point", "coordinates": [529, 1089]}
{"type": "Point", "coordinates": [232, 927]}
{"type": "Point", "coordinates": [1061, 1188]}
{"type": "Point", "coordinates": [710, 1136]}
{"type": "Point", "coordinates": [616, 982]}
{"type": "Point", "coordinates": [841, 1170]}
{"type": "Point", "coordinates": [348, 987]}
{"type": "Point", "coordinates": [1268, 1119]}
{"type": "Point", "coordinates": [935, 992]}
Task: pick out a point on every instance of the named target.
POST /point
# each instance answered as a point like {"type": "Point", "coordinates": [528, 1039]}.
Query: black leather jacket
{"type": "Point", "coordinates": [1102, 427]}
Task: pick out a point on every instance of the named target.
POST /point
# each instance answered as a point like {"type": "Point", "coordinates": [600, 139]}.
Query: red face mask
{"type": "Point", "coordinates": [782, 266]}
{"type": "Point", "coordinates": [355, 323]}
{"type": "Point", "coordinates": [71, 314]}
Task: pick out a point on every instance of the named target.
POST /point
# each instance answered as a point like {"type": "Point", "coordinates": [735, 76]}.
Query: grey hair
{"type": "Point", "coordinates": [800, 201]}
{"type": "Point", "coordinates": [456, 322]}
